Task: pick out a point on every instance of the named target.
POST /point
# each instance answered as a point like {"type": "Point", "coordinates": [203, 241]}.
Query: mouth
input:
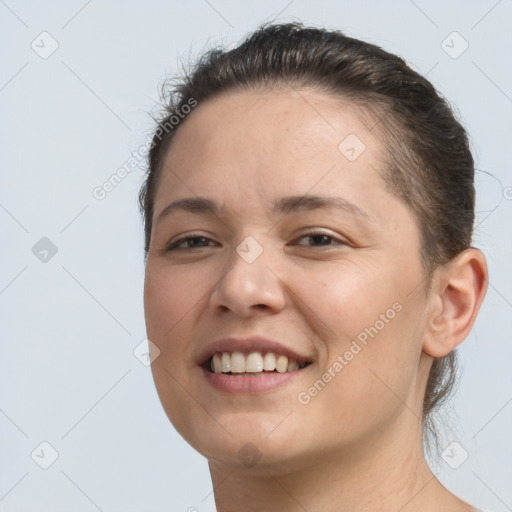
{"type": "Point", "coordinates": [252, 364]}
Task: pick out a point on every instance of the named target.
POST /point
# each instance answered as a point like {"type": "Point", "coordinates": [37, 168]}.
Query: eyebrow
{"type": "Point", "coordinates": [284, 205]}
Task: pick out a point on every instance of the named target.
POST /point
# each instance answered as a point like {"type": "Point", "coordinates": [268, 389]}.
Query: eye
{"type": "Point", "coordinates": [320, 239]}
{"type": "Point", "coordinates": [316, 239]}
{"type": "Point", "coordinates": [192, 242]}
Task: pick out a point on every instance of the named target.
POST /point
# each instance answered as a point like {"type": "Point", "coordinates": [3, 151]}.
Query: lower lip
{"type": "Point", "coordinates": [249, 384]}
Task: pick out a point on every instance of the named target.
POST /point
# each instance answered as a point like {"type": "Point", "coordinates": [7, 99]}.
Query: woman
{"type": "Point", "coordinates": [308, 219]}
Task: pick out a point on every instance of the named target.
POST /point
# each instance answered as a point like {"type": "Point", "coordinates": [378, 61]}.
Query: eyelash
{"type": "Point", "coordinates": [174, 245]}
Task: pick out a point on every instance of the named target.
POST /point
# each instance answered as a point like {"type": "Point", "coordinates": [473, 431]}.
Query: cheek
{"type": "Point", "coordinates": [364, 388]}
{"type": "Point", "coordinates": [169, 300]}
{"type": "Point", "coordinates": [349, 300]}
{"type": "Point", "coordinates": [372, 333]}
{"type": "Point", "coordinates": [168, 297]}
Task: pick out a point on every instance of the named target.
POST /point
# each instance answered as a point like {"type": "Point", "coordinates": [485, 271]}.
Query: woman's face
{"type": "Point", "coordinates": [306, 248]}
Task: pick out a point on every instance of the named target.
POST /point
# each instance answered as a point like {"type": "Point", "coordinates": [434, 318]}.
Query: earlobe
{"type": "Point", "coordinates": [461, 288]}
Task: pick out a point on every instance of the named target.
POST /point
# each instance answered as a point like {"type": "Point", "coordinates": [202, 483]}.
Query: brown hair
{"type": "Point", "coordinates": [429, 164]}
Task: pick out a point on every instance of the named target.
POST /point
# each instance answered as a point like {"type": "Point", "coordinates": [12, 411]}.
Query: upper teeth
{"type": "Point", "coordinates": [254, 362]}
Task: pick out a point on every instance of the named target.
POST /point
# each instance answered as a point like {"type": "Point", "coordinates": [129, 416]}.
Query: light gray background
{"type": "Point", "coordinates": [69, 325]}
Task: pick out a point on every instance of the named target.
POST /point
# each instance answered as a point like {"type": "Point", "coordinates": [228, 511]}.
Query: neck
{"type": "Point", "coordinates": [386, 473]}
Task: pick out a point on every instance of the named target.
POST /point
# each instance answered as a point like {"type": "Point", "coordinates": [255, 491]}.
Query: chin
{"type": "Point", "coordinates": [249, 445]}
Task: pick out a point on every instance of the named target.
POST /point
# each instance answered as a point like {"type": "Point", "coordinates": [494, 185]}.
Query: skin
{"type": "Point", "coordinates": [357, 444]}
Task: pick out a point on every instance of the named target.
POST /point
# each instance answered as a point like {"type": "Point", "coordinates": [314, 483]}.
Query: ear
{"type": "Point", "coordinates": [457, 293]}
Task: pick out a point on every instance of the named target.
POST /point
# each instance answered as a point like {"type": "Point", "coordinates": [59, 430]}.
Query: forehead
{"type": "Point", "coordinates": [270, 142]}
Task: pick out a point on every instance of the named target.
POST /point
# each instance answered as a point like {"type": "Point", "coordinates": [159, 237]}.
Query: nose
{"type": "Point", "coordinates": [249, 287]}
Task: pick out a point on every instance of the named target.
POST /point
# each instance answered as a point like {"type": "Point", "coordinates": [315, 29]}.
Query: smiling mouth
{"type": "Point", "coordinates": [252, 364]}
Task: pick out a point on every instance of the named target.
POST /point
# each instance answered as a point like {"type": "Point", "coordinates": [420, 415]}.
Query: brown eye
{"type": "Point", "coordinates": [318, 239]}
{"type": "Point", "coordinates": [191, 242]}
